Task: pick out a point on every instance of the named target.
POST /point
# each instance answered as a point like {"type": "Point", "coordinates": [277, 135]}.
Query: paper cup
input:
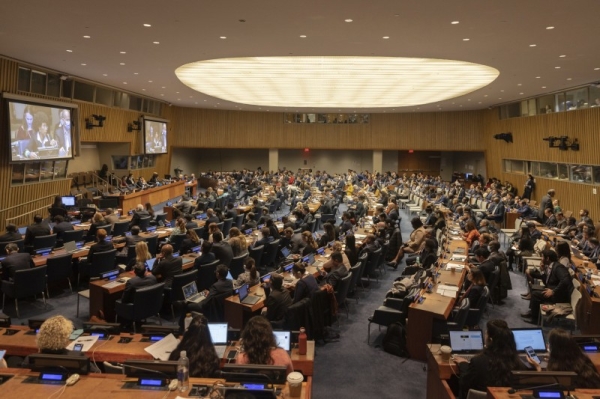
{"type": "Point", "coordinates": [294, 380]}
{"type": "Point", "coordinates": [446, 351]}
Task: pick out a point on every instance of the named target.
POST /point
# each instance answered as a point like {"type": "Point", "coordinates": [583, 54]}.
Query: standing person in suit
{"type": "Point", "coordinates": [142, 278]}
{"type": "Point", "coordinates": [139, 213]}
{"type": "Point", "coordinates": [529, 187]}
{"type": "Point", "coordinates": [278, 299]}
{"type": "Point", "coordinates": [15, 261]}
{"type": "Point", "coordinates": [222, 249]}
{"type": "Point", "coordinates": [11, 234]}
{"type": "Point", "coordinates": [546, 202]}
{"type": "Point", "coordinates": [167, 265]}
{"type": "Point", "coordinates": [62, 134]}
{"type": "Point", "coordinates": [38, 228]}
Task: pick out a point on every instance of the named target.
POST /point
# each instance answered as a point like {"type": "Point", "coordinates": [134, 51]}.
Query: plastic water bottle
{"type": "Point", "coordinates": [183, 372]}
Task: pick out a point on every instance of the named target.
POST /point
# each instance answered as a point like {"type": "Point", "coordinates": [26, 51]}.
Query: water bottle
{"type": "Point", "coordinates": [183, 372]}
{"type": "Point", "coordinates": [418, 261]}
{"type": "Point", "coordinates": [187, 321]}
{"type": "Point", "coordinates": [302, 338]}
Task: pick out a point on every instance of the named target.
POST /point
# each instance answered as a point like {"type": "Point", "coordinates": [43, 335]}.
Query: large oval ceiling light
{"type": "Point", "coordinates": [350, 82]}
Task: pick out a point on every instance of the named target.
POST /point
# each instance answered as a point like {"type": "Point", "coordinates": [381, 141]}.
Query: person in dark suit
{"type": "Point", "coordinates": [135, 237]}
{"type": "Point", "coordinates": [142, 278]}
{"type": "Point", "coordinates": [211, 217]}
{"type": "Point", "coordinates": [250, 223]}
{"type": "Point", "coordinates": [231, 213]}
{"type": "Point", "coordinates": [139, 213]}
{"type": "Point", "coordinates": [62, 134]}
{"type": "Point", "coordinates": [266, 237]}
{"type": "Point", "coordinates": [222, 249]}
{"type": "Point", "coordinates": [11, 234]}
{"type": "Point", "coordinates": [189, 222]}
{"type": "Point", "coordinates": [346, 223]}
{"type": "Point", "coordinates": [431, 218]}
{"type": "Point", "coordinates": [167, 265]}
{"type": "Point", "coordinates": [183, 207]}
{"type": "Point", "coordinates": [486, 265]}
{"type": "Point", "coordinates": [207, 255]}
{"type": "Point", "coordinates": [337, 270]}
{"type": "Point", "coordinates": [60, 226]}
{"type": "Point", "coordinates": [38, 228]}
{"type": "Point", "coordinates": [15, 261]}
{"type": "Point", "coordinates": [278, 299]}
{"type": "Point", "coordinates": [100, 246]}
{"type": "Point", "coordinates": [546, 202]}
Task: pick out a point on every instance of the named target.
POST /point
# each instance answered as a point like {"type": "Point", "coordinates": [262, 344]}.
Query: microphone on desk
{"type": "Point", "coordinates": [129, 366]}
{"type": "Point", "coordinates": [513, 390]}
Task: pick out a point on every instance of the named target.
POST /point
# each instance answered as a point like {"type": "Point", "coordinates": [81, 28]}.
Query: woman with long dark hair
{"type": "Point", "coordinates": [493, 366]}
{"type": "Point", "coordinates": [566, 355]}
{"type": "Point", "coordinates": [259, 346]}
{"type": "Point", "coordinates": [199, 349]}
{"type": "Point", "coordinates": [351, 251]}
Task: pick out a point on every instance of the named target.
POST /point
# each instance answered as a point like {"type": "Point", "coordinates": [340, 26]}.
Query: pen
{"type": "Point", "coordinates": [85, 340]}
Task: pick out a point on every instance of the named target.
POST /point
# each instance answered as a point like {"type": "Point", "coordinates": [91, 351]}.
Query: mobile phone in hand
{"type": "Point", "coordinates": [531, 353]}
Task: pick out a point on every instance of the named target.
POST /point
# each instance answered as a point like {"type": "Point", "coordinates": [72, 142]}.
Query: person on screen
{"type": "Point", "coordinates": [62, 134]}
{"type": "Point", "coordinates": [157, 142]}
{"type": "Point", "coordinates": [41, 139]}
{"type": "Point", "coordinates": [164, 136]}
{"type": "Point", "coordinates": [25, 131]}
{"type": "Point", "coordinates": [149, 139]}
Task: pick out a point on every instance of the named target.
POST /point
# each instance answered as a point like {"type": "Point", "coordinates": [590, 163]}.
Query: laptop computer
{"type": "Point", "coordinates": [283, 339]}
{"type": "Point", "coordinates": [245, 298]}
{"type": "Point", "coordinates": [218, 334]}
{"type": "Point", "coordinates": [191, 294]}
{"type": "Point", "coordinates": [71, 247]}
{"type": "Point", "coordinates": [150, 264]}
{"type": "Point", "coordinates": [309, 259]}
{"type": "Point", "coordinates": [533, 337]}
{"type": "Point", "coordinates": [23, 230]}
{"type": "Point", "coordinates": [286, 252]}
{"type": "Point", "coordinates": [466, 343]}
{"type": "Point", "coordinates": [576, 252]}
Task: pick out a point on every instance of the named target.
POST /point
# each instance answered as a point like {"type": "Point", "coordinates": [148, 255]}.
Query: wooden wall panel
{"type": "Point", "coordinates": [528, 134]}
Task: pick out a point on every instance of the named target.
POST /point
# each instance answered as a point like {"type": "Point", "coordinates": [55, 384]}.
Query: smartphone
{"type": "Point", "coordinates": [531, 353]}
{"type": "Point", "coordinates": [78, 347]}
{"type": "Point", "coordinates": [232, 354]}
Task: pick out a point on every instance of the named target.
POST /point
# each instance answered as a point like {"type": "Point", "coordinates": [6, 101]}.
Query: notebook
{"type": "Point", "coordinates": [533, 337]}
{"type": "Point", "coordinates": [191, 294]}
{"type": "Point", "coordinates": [283, 339]}
{"type": "Point", "coordinates": [218, 334]}
{"type": "Point", "coordinates": [466, 343]}
{"type": "Point", "coordinates": [245, 298]}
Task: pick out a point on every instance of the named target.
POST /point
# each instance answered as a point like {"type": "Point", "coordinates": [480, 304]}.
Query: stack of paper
{"type": "Point", "coordinates": [163, 348]}
{"type": "Point", "coordinates": [447, 290]}
{"type": "Point", "coordinates": [456, 266]}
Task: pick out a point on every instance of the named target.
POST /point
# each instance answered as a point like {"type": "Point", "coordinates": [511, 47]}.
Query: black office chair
{"type": "Point", "coordinates": [175, 240]}
{"type": "Point", "coordinates": [256, 253]}
{"type": "Point", "coordinates": [477, 310]}
{"type": "Point", "coordinates": [175, 292]}
{"type": "Point", "coordinates": [214, 308]}
{"type": "Point", "coordinates": [381, 265]}
{"type": "Point", "coordinates": [72, 235]}
{"type": "Point", "coordinates": [269, 255]}
{"type": "Point", "coordinates": [144, 223]}
{"type": "Point", "coordinates": [19, 243]}
{"type": "Point", "coordinates": [160, 219]}
{"type": "Point", "coordinates": [342, 293]}
{"type": "Point", "coordinates": [239, 221]}
{"type": "Point", "coordinates": [493, 285]}
{"type": "Point", "coordinates": [59, 268]}
{"type": "Point", "coordinates": [199, 231]}
{"type": "Point", "coordinates": [206, 275]}
{"type": "Point", "coordinates": [227, 223]}
{"type": "Point", "coordinates": [107, 228]}
{"type": "Point", "coordinates": [393, 310]}
{"type": "Point", "coordinates": [355, 270]}
{"type": "Point", "coordinates": [371, 265]}
{"type": "Point", "coordinates": [25, 283]}
{"type": "Point", "coordinates": [58, 211]}
{"type": "Point", "coordinates": [120, 228]}
{"type": "Point", "coordinates": [48, 241]}
{"type": "Point", "coordinates": [152, 242]}
{"type": "Point", "coordinates": [236, 267]}
{"type": "Point", "coordinates": [311, 225]}
{"type": "Point", "coordinates": [101, 262]}
{"type": "Point", "coordinates": [147, 302]}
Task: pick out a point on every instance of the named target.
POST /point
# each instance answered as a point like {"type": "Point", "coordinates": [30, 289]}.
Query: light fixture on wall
{"type": "Point", "coordinates": [504, 136]}
{"type": "Point", "coordinates": [134, 126]}
{"type": "Point", "coordinates": [563, 143]}
{"type": "Point", "coordinates": [89, 124]}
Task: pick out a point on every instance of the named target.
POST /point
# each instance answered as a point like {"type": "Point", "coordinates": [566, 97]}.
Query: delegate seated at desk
{"type": "Point", "coordinates": [278, 299]}
{"type": "Point", "coordinates": [143, 278]}
{"type": "Point", "coordinates": [15, 261]}
{"type": "Point", "coordinates": [167, 265]}
{"type": "Point", "coordinates": [199, 348]}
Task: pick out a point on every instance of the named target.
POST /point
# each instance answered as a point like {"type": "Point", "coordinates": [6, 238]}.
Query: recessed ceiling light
{"type": "Point", "coordinates": [455, 22]}
{"type": "Point", "coordinates": [121, 63]}
{"type": "Point", "coordinates": [123, 52]}
{"type": "Point", "coordinates": [543, 87]}
{"type": "Point", "coordinates": [569, 78]}
{"type": "Point", "coordinates": [521, 93]}
{"type": "Point", "coordinates": [86, 37]}
{"type": "Point", "coordinates": [204, 100]}
{"type": "Point", "coordinates": [532, 45]}
{"type": "Point", "coordinates": [147, 25]}
{"type": "Point", "coordinates": [468, 99]}
{"type": "Point", "coordinates": [196, 102]}
{"type": "Point", "coordinates": [223, 37]}
{"type": "Point", "coordinates": [501, 91]}
{"type": "Point", "coordinates": [164, 87]}
{"type": "Point", "coordinates": [387, 84]}
{"type": "Point", "coordinates": [135, 73]}
{"type": "Point", "coordinates": [303, 36]}
{"type": "Point", "coordinates": [557, 67]}
{"type": "Point", "coordinates": [124, 83]}
{"type": "Point", "coordinates": [499, 98]}
{"type": "Point", "coordinates": [149, 81]}
{"type": "Point", "coordinates": [538, 77]}
{"type": "Point", "coordinates": [485, 95]}
{"type": "Point", "coordinates": [386, 37]}
{"type": "Point", "coordinates": [176, 92]}
{"type": "Point", "coordinates": [179, 99]}
{"type": "Point", "coordinates": [156, 42]}
{"type": "Point", "coordinates": [596, 69]}
{"type": "Point", "coordinates": [162, 95]}
{"type": "Point", "coordinates": [84, 64]}
{"type": "Point", "coordinates": [562, 56]}
{"type": "Point", "coordinates": [549, 27]}
{"type": "Point", "coordinates": [519, 84]}
{"type": "Point", "coordinates": [143, 89]}
{"type": "Point", "coordinates": [69, 51]}
{"type": "Point", "coordinates": [104, 74]}
{"type": "Point", "coordinates": [348, 20]}
{"type": "Point", "coordinates": [466, 39]}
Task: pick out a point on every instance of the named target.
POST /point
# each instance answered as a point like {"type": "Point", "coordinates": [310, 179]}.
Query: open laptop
{"type": "Point", "coordinates": [283, 339]}
{"type": "Point", "coordinates": [191, 294]}
{"type": "Point", "coordinates": [576, 252]}
{"type": "Point", "coordinates": [22, 230]}
{"type": "Point", "coordinates": [245, 298]}
{"type": "Point", "coordinates": [286, 252]}
{"type": "Point", "coordinates": [150, 264]}
{"type": "Point", "coordinates": [218, 334]}
{"type": "Point", "coordinates": [466, 343]}
{"type": "Point", "coordinates": [533, 337]}
{"type": "Point", "coordinates": [309, 259]}
{"type": "Point", "coordinates": [72, 247]}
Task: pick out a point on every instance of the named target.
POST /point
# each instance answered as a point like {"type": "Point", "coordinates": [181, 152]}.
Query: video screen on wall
{"type": "Point", "coordinates": [40, 131]}
{"type": "Point", "coordinates": [155, 136]}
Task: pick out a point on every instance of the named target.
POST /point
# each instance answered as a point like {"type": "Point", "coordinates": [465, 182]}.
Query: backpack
{"type": "Point", "coordinates": [394, 341]}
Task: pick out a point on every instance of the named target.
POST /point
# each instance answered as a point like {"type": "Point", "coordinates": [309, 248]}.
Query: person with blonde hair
{"type": "Point", "coordinates": [54, 334]}
{"type": "Point", "coordinates": [142, 254]}
{"type": "Point", "coordinates": [238, 242]}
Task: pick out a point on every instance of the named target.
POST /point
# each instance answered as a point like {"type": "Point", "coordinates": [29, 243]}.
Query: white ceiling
{"type": "Point", "coordinates": [500, 33]}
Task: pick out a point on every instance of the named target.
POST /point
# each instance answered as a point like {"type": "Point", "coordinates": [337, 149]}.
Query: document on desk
{"type": "Point", "coordinates": [163, 348]}
{"type": "Point", "coordinates": [454, 266]}
{"type": "Point", "coordinates": [87, 341]}
{"type": "Point", "coordinates": [447, 290]}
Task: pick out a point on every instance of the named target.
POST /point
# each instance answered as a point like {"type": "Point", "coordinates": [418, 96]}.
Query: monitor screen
{"type": "Point", "coordinates": [533, 337]}
{"type": "Point", "coordinates": [40, 130]}
{"type": "Point", "coordinates": [218, 333]}
{"type": "Point", "coordinates": [68, 200]}
{"type": "Point", "coordinates": [155, 136]}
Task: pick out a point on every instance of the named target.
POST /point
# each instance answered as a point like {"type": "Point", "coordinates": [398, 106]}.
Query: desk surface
{"type": "Point", "coordinates": [102, 386]}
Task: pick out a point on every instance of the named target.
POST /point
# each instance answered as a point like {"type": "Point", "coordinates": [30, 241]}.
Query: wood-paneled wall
{"type": "Point", "coordinates": [528, 145]}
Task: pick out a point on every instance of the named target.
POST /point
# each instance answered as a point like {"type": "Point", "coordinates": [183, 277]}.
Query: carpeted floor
{"type": "Point", "coordinates": [348, 367]}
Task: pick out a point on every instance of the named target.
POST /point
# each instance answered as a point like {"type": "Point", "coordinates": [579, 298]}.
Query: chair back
{"type": "Point", "coordinates": [214, 308]}
{"type": "Point", "coordinates": [147, 301]}
{"type": "Point", "coordinates": [199, 231]}
{"type": "Point", "coordinates": [130, 254]}
{"type": "Point", "coordinates": [107, 228]}
{"type": "Point", "coordinates": [257, 216]}
{"type": "Point", "coordinates": [120, 228]}
{"type": "Point", "coordinates": [239, 221]}
{"type": "Point", "coordinates": [326, 217]}
{"type": "Point", "coordinates": [102, 262]}
{"type": "Point", "coordinates": [355, 270]}
{"type": "Point", "coordinates": [72, 235]}
{"type": "Point", "coordinates": [175, 240]}
{"type": "Point", "coordinates": [48, 241]}
{"type": "Point", "coordinates": [342, 289]}
{"type": "Point", "coordinates": [372, 263]}
{"type": "Point", "coordinates": [152, 242]}
{"type": "Point", "coordinates": [384, 251]}
{"type": "Point", "coordinates": [461, 315]}
{"type": "Point", "coordinates": [494, 279]}
{"type": "Point", "coordinates": [311, 225]}
{"type": "Point", "coordinates": [256, 253]}
{"type": "Point", "coordinates": [57, 211]}
{"type": "Point", "coordinates": [179, 280]}
{"type": "Point", "coordinates": [206, 275]}
{"type": "Point", "coordinates": [20, 243]}
{"type": "Point", "coordinates": [27, 282]}
{"type": "Point", "coordinates": [362, 260]}
{"type": "Point", "coordinates": [227, 223]}
{"type": "Point", "coordinates": [220, 227]}
{"type": "Point", "coordinates": [236, 267]}
{"type": "Point", "coordinates": [161, 217]}
{"type": "Point", "coordinates": [269, 254]}
{"type": "Point", "coordinates": [144, 223]}
{"type": "Point", "coordinates": [59, 267]}
{"type": "Point", "coordinates": [475, 313]}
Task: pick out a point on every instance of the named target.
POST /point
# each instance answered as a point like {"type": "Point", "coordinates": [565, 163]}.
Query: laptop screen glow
{"type": "Point", "coordinates": [283, 339]}
{"type": "Point", "coordinates": [466, 341]}
{"type": "Point", "coordinates": [189, 290]}
{"type": "Point", "coordinates": [533, 337]}
{"type": "Point", "coordinates": [218, 333]}
{"type": "Point", "coordinates": [243, 292]}
{"type": "Point", "coordinates": [150, 264]}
